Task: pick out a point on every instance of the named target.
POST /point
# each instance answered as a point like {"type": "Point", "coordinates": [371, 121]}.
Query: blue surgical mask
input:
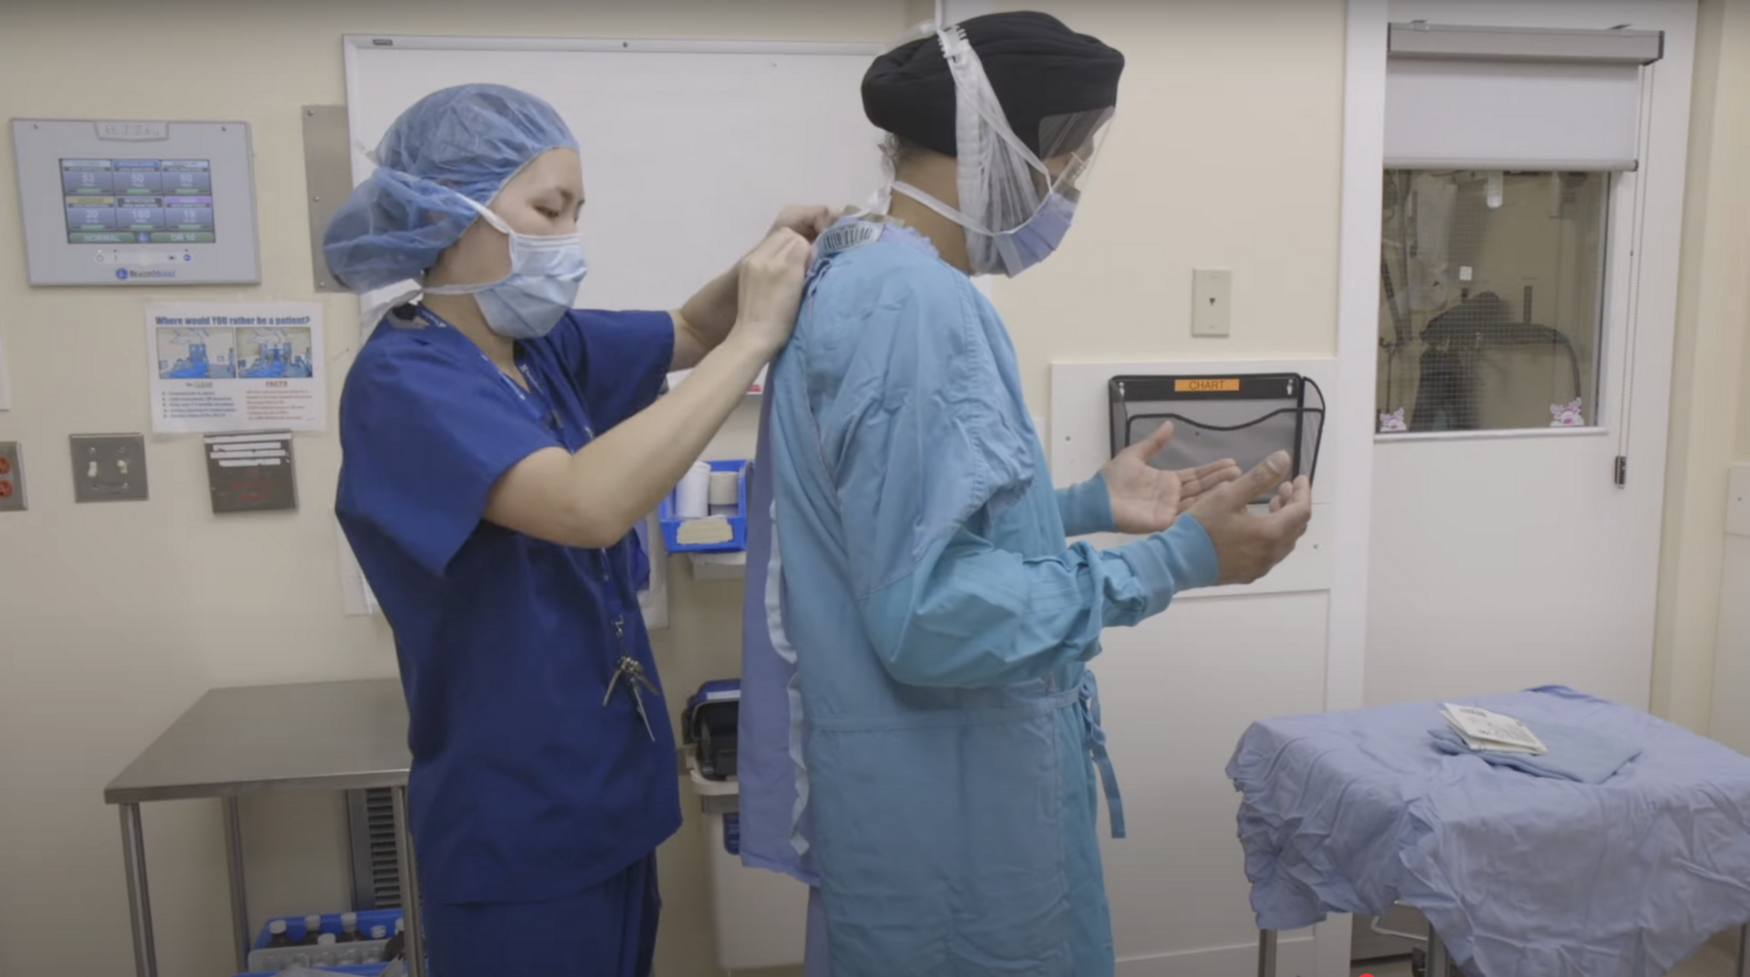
{"type": "Point", "coordinates": [1034, 241]}
{"type": "Point", "coordinates": [545, 273]}
{"type": "Point", "coordinates": [1008, 252]}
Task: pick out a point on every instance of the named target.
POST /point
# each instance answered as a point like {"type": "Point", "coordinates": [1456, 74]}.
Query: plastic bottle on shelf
{"type": "Point", "coordinates": [397, 945]}
{"type": "Point", "coordinates": [312, 929]}
{"type": "Point", "coordinates": [349, 928]}
{"type": "Point", "coordinates": [379, 932]}
{"type": "Point", "coordinates": [277, 937]}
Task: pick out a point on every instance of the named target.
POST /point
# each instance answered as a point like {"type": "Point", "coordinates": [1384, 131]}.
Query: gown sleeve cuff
{"type": "Point", "coordinates": [1182, 558]}
{"type": "Point", "coordinates": [1086, 508]}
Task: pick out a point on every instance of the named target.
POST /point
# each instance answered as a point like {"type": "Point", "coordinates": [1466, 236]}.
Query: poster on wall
{"type": "Point", "coordinates": [236, 367]}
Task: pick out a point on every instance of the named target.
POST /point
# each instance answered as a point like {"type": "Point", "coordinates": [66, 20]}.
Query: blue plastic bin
{"type": "Point", "coordinates": [737, 522]}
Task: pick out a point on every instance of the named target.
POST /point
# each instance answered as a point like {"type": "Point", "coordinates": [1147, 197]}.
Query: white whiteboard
{"type": "Point", "coordinates": [689, 147]}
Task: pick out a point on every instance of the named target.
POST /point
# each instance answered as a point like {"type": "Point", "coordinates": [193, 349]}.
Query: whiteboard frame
{"type": "Point", "coordinates": [638, 45]}
{"type": "Point", "coordinates": [354, 44]}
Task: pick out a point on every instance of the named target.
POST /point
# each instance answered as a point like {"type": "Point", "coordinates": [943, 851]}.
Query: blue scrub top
{"type": "Point", "coordinates": [524, 785]}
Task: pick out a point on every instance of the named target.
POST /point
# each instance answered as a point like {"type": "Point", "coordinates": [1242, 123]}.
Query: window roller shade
{"type": "Point", "coordinates": [1500, 99]}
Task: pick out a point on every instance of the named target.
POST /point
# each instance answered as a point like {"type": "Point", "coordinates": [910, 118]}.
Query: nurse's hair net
{"type": "Point", "coordinates": [455, 145]}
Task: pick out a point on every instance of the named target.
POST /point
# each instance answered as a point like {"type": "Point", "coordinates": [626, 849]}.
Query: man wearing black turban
{"type": "Point", "coordinates": [1051, 88]}
{"type": "Point", "coordinates": [1039, 68]}
{"type": "Point", "coordinates": [920, 738]}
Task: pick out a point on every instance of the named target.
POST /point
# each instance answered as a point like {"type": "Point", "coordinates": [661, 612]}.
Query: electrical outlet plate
{"type": "Point", "coordinates": [109, 467]}
{"type": "Point", "coordinates": [1211, 302]}
{"type": "Point", "coordinates": [11, 477]}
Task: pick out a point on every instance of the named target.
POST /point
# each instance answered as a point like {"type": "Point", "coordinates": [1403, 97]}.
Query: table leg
{"type": "Point", "coordinates": [415, 931]}
{"type": "Point", "coordinates": [1744, 950]}
{"type": "Point", "coordinates": [239, 896]}
{"type": "Point", "coordinates": [1439, 964]}
{"type": "Point", "coordinates": [1266, 953]}
{"type": "Point", "coordinates": [139, 898]}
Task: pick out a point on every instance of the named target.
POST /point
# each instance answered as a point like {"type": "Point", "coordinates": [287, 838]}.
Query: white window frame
{"type": "Point", "coordinates": [1352, 425]}
{"type": "Point", "coordinates": [1642, 249]}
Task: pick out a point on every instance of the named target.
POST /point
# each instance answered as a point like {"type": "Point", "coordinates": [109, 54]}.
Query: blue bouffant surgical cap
{"type": "Point", "coordinates": [466, 141]}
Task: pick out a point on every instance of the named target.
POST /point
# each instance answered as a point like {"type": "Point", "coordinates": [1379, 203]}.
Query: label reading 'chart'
{"type": "Point", "coordinates": [1203, 386]}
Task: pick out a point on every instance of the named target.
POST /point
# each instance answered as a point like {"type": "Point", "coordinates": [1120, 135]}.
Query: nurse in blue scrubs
{"type": "Point", "coordinates": [499, 448]}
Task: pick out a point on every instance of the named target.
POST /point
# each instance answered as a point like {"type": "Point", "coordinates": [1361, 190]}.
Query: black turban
{"type": "Point", "coordinates": [1039, 69]}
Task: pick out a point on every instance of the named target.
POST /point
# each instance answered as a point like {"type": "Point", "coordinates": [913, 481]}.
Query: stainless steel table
{"type": "Point", "coordinates": [268, 739]}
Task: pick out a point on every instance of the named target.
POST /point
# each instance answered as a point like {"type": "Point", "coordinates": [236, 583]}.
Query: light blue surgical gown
{"type": "Point", "coordinates": [920, 733]}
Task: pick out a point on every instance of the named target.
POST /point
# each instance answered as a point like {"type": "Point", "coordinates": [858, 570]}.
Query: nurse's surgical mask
{"type": "Point", "coordinates": [545, 274]}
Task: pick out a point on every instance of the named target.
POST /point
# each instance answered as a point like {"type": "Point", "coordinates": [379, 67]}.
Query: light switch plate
{"type": "Point", "coordinates": [109, 467]}
{"type": "Point", "coordinates": [11, 477]}
{"type": "Point", "coordinates": [1211, 302]}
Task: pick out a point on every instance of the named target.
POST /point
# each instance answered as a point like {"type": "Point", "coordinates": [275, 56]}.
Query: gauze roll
{"type": "Point", "coordinates": [692, 495]}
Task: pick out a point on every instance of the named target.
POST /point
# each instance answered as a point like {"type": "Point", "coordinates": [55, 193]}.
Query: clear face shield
{"type": "Point", "coordinates": [1016, 206]}
{"type": "Point", "coordinates": [1070, 144]}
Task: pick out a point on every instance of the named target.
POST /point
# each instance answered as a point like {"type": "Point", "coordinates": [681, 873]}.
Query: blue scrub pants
{"type": "Point", "coordinates": [605, 931]}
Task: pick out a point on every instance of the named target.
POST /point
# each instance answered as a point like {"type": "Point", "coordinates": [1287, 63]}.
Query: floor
{"type": "Point", "coordinates": [1711, 961]}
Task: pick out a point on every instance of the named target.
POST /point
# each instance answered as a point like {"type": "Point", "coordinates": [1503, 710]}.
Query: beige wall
{"type": "Point", "coordinates": [1710, 425]}
{"type": "Point", "coordinates": [113, 619]}
{"type": "Point", "coordinates": [1185, 181]}
{"type": "Point", "coordinates": [1225, 154]}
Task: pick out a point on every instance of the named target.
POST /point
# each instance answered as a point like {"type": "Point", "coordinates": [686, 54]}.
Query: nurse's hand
{"type": "Point", "coordinates": [810, 222]}
{"type": "Point", "coordinates": [769, 290]}
{"type": "Point", "coordinates": [1249, 545]}
{"type": "Point", "coordinates": [1148, 500]}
